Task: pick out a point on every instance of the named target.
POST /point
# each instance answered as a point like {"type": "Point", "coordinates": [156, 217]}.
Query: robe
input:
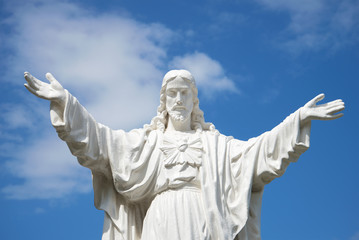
{"type": "Point", "coordinates": [130, 176]}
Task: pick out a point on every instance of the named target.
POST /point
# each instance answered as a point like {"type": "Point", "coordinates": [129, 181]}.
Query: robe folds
{"type": "Point", "coordinates": [129, 173]}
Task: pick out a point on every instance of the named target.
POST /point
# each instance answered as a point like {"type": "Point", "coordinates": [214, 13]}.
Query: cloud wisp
{"type": "Point", "coordinates": [317, 25]}
{"type": "Point", "coordinates": [47, 170]}
{"type": "Point", "coordinates": [209, 74]}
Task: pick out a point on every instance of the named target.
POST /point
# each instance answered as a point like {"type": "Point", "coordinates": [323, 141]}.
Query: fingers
{"type": "Point", "coordinates": [30, 80]}
{"type": "Point", "coordinates": [315, 100]}
{"type": "Point", "coordinates": [30, 89]}
{"type": "Point", "coordinates": [50, 77]}
{"type": "Point", "coordinates": [336, 116]}
{"type": "Point", "coordinates": [33, 91]}
{"type": "Point", "coordinates": [332, 108]}
{"type": "Point", "coordinates": [332, 103]}
{"type": "Point", "coordinates": [38, 93]}
{"type": "Point", "coordinates": [318, 98]}
{"type": "Point", "coordinates": [33, 82]}
{"type": "Point", "coordinates": [336, 109]}
{"type": "Point", "coordinates": [53, 81]}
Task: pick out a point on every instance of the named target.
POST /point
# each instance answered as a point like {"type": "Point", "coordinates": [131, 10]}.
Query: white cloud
{"type": "Point", "coordinates": [48, 170]}
{"type": "Point", "coordinates": [209, 74]}
{"type": "Point", "coordinates": [101, 58]}
{"type": "Point", "coordinates": [16, 116]}
{"type": "Point", "coordinates": [315, 25]}
{"type": "Point", "coordinates": [112, 63]}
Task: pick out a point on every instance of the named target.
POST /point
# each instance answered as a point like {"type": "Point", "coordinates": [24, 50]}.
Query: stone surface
{"type": "Point", "coordinates": [178, 177]}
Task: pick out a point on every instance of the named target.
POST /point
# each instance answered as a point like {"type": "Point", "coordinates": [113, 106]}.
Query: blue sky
{"type": "Point", "coordinates": [255, 62]}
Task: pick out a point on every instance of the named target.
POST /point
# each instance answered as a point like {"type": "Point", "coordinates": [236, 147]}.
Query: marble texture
{"type": "Point", "coordinates": [178, 177]}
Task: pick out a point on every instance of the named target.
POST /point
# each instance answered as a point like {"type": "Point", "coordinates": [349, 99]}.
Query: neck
{"type": "Point", "coordinates": [182, 126]}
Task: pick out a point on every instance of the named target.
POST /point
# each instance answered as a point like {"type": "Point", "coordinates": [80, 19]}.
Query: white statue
{"type": "Point", "coordinates": [178, 177]}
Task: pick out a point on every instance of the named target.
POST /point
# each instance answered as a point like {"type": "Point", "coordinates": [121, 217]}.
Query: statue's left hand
{"type": "Point", "coordinates": [326, 111]}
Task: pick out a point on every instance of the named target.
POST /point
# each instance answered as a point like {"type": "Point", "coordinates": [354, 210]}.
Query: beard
{"type": "Point", "coordinates": [178, 116]}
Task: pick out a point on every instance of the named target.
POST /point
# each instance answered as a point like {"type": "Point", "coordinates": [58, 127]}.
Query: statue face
{"type": "Point", "coordinates": [179, 99]}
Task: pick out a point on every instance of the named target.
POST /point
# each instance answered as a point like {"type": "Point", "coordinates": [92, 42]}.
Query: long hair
{"type": "Point", "coordinates": [197, 119]}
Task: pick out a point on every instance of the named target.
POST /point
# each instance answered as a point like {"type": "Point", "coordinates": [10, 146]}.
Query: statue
{"type": "Point", "coordinates": [178, 177]}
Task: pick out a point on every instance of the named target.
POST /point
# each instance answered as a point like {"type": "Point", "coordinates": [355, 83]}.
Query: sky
{"type": "Point", "coordinates": [255, 62]}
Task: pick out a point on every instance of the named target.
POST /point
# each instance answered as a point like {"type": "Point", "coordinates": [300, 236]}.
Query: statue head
{"type": "Point", "coordinates": [183, 109]}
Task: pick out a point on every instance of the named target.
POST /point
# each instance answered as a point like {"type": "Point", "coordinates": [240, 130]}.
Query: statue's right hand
{"type": "Point", "coordinates": [52, 91]}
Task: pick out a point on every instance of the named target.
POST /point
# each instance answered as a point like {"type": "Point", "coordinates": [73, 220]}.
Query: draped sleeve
{"type": "Point", "coordinates": [123, 175]}
{"type": "Point", "coordinates": [272, 151]}
{"type": "Point", "coordinates": [86, 139]}
{"type": "Point", "coordinates": [260, 160]}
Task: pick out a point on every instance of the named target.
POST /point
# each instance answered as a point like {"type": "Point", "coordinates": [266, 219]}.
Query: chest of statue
{"type": "Point", "coordinates": [180, 161]}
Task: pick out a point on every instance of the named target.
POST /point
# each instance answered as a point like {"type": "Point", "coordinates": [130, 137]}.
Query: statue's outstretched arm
{"type": "Point", "coordinates": [52, 91]}
{"type": "Point", "coordinates": [86, 138]}
{"type": "Point", "coordinates": [326, 111]}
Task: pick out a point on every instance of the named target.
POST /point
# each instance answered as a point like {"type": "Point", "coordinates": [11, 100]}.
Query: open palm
{"type": "Point", "coordinates": [326, 111]}
{"type": "Point", "coordinates": [50, 91]}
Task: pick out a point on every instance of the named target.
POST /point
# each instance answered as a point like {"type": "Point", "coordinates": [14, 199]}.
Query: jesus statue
{"type": "Point", "coordinates": [178, 178]}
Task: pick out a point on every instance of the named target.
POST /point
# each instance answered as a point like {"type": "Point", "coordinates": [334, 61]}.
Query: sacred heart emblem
{"type": "Point", "coordinates": [182, 151]}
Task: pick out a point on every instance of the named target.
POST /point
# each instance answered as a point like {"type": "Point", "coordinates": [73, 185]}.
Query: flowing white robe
{"type": "Point", "coordinates": [215, 195]}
